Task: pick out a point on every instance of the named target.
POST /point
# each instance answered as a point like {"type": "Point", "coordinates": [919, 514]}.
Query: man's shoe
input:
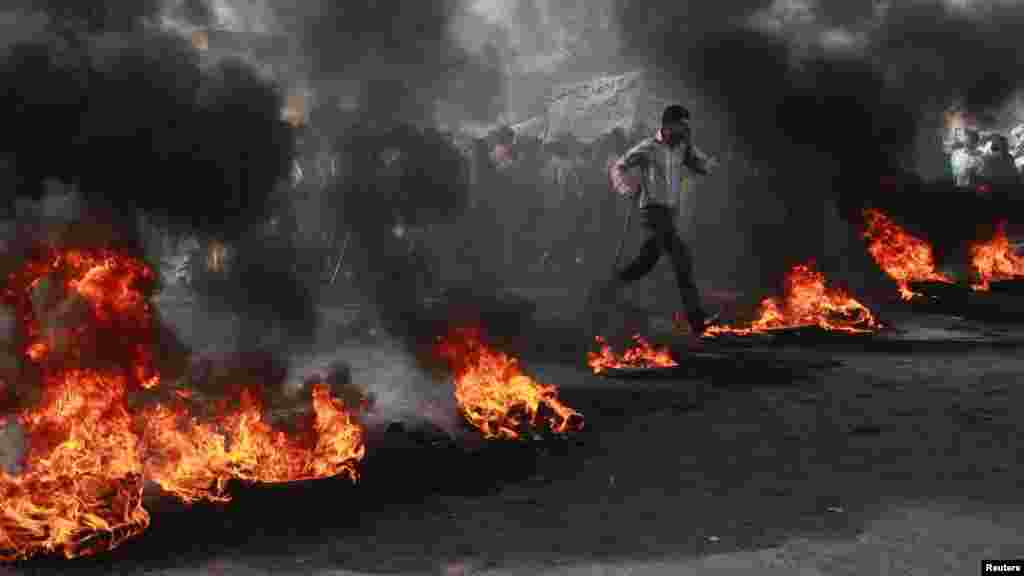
{"type": "Point", "coordinates": [700, 322]}
{"type": "Point", "coordinates": [694, 343]}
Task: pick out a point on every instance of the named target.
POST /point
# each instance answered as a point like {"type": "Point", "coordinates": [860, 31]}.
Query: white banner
{"type": "Point", "coordinates": [591, 109]}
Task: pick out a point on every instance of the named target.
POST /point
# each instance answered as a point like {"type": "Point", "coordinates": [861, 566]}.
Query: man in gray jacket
{"type": "Point", "coordinates": [664, 162]}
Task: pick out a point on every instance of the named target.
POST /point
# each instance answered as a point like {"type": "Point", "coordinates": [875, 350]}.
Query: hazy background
{"type": "Point", "coordinates": [271, 126]}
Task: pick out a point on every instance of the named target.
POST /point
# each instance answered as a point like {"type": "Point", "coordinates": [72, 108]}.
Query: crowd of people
{"type": "Point", "coordinates": [552, 197]}
{"type": "Point", "coordinates": [986, 162]}
{"type": "Point", "coordinates": [536, 207]}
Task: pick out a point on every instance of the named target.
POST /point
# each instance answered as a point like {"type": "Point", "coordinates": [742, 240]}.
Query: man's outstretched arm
{"type": "Point", "coordinates": [700, 162]}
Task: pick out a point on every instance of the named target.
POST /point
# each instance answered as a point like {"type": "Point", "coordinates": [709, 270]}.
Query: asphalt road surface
{"type": "Point", "coordinates": [807, 458]}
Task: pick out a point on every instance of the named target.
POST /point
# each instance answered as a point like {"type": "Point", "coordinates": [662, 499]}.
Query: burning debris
{"type": "Point", "coordinates": [495, 396]}
{"type": "Point", "coordinates": [995, 260]}
{"type": "Point", "coordinates": [641, 355]}
{"type": "Point", "coordinates": [808, 301]}
{"type": "Point", "coordinates": [238, 443]}
{"type": "Point", "coordinates": [908, 259]}
{"type": "Point", "coordinates": [102, 421]}
{"type": "Point", "coordinates": [904, 257]}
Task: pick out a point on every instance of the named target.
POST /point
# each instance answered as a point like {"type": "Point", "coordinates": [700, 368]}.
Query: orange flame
{"type": "Point", "coordinates": [90, 451]}
{"type": "Point", "coordinates": [995, 260]}
{"type": "Point", "coordinates": [640, 355]}
{"type": "Point", "coordinates": [238, 443]}
{"type": "Point", "coordinates": [808, 302]}
{"type": "Point", "coordinates": [493, 393]}
{"type": "Point", "coordinates": [904, 257]}
{"type": "Point", "coordinates": [81, 490]}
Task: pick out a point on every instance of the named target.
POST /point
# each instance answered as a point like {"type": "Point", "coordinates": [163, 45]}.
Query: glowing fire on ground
{"type": "Point", "coordinates": [641, 355]}
{"type": "Point", "coordinates": [995, 260]}
{"type": "Point", "coordinates": [493, 393]}
{"type": "Point", "coordinates": [239, 444]}
{"type": "Point", "coordinates": [92, 444]}
{"type": "Point", "coordinates": [904, 257]}
{"type": "Point", "coordinates": [808, 301]}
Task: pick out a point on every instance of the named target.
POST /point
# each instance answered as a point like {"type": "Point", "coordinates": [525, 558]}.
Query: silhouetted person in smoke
{"type": "Point", "coordinates": [479, 233]}
{"type": "Point", "coordinates": [601, 201]}
{"type": "Point", "coordinates": [585, 202]}
{"type": "Point", "coordinates": [529, 154]}
{"type": "Point", "coordinates": [598, 203]}
{"type": "Point", "coordinates": [614, 145]}
{"type": "Point", "coordinates": [966, 159]}
{"type": "Point", "coordinates": [398, 178]}
{"type": "Point", "coordinates": [997, 170]}
{"type": "Point", "coordinates": [663, 160]}
{"type": "Point", "coordinates": [512, 192]}
{"type": "Point", "coordinates": [378, 257]}
{"type": "Point", "coordinates": [566, 190]}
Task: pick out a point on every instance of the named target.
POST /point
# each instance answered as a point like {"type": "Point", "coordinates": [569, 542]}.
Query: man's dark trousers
{"type": "Point", "coordinates": [664, 239]}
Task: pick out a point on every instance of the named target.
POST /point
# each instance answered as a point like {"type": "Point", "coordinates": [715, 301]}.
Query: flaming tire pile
{"type": "Point", "coordinates": [996, 270]}
{"type": "Point", "coordinates": [97, 418]}
{"type": "Point", "coordinates": [101, 422]}
{"type": "Point", "coordinates": [641, 357]}
{"type": "Point", "coordinates": [808, 307]}
{"type": "Point", "coordinates": [495, 395]}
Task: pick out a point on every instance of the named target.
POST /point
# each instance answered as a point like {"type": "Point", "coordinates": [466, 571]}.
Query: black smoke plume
{"type": "Point", "coordinates": [404, 54]}
{"type": "Point", "coordinates": [395, 166]}
{"type": "Point", "coordinates": [139, 124]}
{"type": "Point", "coordinates": [822, 128]}
{"type": "Point", "coordinates": [93, 17]}
{"type": "Point", "coordinates": [396, 178]}
{"type": "Point", "coordinates": [135, 123]}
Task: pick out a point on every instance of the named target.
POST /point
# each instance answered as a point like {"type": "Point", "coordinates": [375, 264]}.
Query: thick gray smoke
{"type": "Point", "coordinates": [395, 168]}
{"type": "Point", "coordinates": [822, 101]}
{"type": "Point", "coordinates": [404, 55]}
{"type": "Point", "coordinates": [131, 117]}
{"type": "Point", "coordinates": [198, 12]}
{"type": "Point", "coordinates": [108, 16]}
